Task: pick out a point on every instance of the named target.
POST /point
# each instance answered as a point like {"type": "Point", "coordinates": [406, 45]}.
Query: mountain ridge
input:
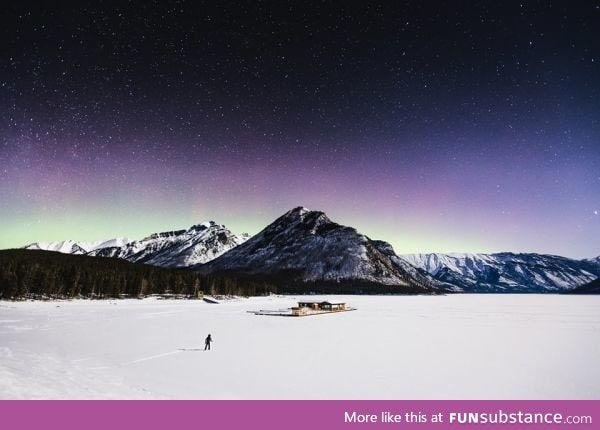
{"type": "Point", "coordinates": [177, 248]}
{"type": "Point", "coordinates": [507, 271]}
{"type": "Point", "coordinates": [306, 246]}
{"type": "Point", "coordinates": [76, 247]}
{"type": "Point", "coordinates": [310, 248]}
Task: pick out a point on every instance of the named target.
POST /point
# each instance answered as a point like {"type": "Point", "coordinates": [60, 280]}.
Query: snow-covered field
{"type": "Point", "coordinates": [424, 347]}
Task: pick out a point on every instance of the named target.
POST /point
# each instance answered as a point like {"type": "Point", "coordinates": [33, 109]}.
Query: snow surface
{"type": "Point", "coordinates": [392, 347]}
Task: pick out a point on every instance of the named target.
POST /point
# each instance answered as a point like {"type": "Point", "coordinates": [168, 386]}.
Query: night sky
{"type": "Point", "coordinates": [459, 126]}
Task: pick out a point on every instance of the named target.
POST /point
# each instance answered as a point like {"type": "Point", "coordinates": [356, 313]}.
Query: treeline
{"type": "Point", "coordinates": [34, 274]}
{"type": "Point", "coordinates": [289, 282]}
{"type": "Point", "coordinates": [52, 275]}
{"type": "Point", "coordinates": [591, 288]}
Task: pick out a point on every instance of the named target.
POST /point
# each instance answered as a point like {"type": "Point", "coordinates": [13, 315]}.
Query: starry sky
{"type": "Point", "coordinates": [437, 126]}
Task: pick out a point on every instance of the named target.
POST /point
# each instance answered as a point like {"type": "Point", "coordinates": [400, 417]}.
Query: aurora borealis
{"type": "Point", "coordinates": [433, 126]}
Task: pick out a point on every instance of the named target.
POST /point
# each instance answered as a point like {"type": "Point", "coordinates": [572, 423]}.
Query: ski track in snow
{"type": "Point", "coordinates": [152, 357]}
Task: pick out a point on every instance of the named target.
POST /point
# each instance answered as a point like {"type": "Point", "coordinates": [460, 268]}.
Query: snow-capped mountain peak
{"type": "Point", "coordinates": [594, 260]}
{"type": "Point", "coordinates": [507, 271]}
{"type": "Point", "coordinates": [298, 210]}
{"type": "Point", "coordinates": [76, 247]}
{"type": "Point", "coordinates": [306, 246]}
{"type": "Point", "coordinates": [303, 218]}
{"type": "Point", "coordinates": [202, 227]}
{"type": "Point", "coordinates": [178, 248]}
{"type": "Point", "coordinates": [197, 244]}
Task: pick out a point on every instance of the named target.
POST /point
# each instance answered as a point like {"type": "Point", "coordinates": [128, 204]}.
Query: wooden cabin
{"type": "Point", "coordinates": [323, 306]}
{"type": "Point", "coordinates": [307, 308]}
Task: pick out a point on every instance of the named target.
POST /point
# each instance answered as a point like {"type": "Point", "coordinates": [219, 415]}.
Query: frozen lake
{"type": "Point", "coordinates": [421, 347]}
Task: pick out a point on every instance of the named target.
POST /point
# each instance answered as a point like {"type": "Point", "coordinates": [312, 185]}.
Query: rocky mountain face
{"type": "Point", "coordinates": [181, 248]}
{"type": "Point", "coordinates": [507, 272]}
{"type": "Point", "coordinates": [304, 246]}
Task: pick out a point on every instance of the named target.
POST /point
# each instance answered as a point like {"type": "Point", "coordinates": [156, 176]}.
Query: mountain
{"type": "Point", "coordinates": [74, 247]}
{"type": "Point", "coordinates": [595, 260]}
{"type": "Point", "coordinates": [304, 251]}
{"type": "Point", "coordinates": [507, 272]}
{"type": "Point", "coordinates": [181, 248]}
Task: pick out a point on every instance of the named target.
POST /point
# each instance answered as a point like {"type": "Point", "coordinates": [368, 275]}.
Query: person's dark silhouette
{"type": "Point", "coordinates": [207, 342]}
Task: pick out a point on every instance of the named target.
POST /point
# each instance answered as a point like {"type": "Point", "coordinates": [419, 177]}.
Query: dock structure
{"type": "Point", "coordinates": [307, 308]}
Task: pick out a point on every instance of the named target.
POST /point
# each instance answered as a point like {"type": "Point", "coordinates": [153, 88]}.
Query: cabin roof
{"type": "Point", "coordinates": [322, 302]}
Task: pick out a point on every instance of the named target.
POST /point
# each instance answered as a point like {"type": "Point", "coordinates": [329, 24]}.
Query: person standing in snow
{"type": "Point", "coordinates": [207, 342]}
